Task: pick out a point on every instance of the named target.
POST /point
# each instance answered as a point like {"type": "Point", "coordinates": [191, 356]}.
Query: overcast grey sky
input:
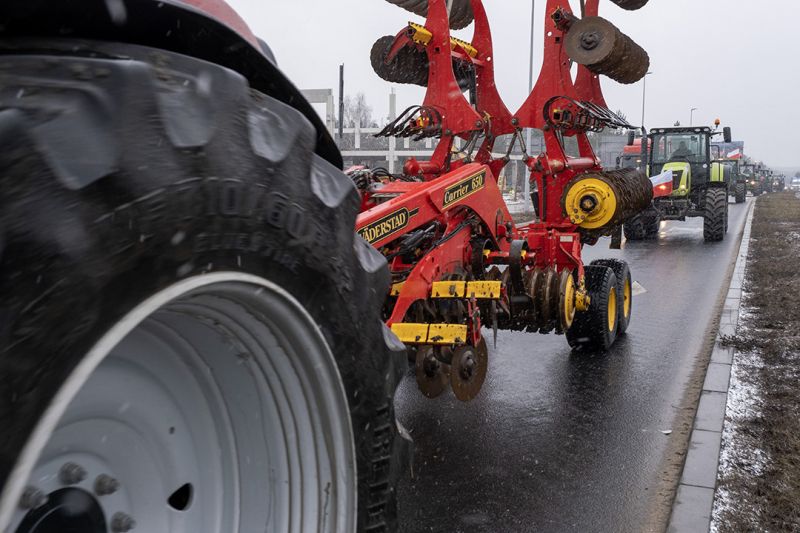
{"type": "Point", "coordinates": [732, 59]}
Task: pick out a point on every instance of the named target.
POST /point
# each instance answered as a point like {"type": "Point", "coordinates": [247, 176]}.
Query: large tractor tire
{"type": "Point", "coordinates": [596, 328]}
{"type": "Point", "coordinates": [740, 193]}
{"type": "Point", "coordinates": [190, 336]}
{"type": "Point", "coordinates": [715, 214]}
{"type": "Point", "coordinates": [642, 227]}
{"type": "Point", "coordinates": [624, 291]}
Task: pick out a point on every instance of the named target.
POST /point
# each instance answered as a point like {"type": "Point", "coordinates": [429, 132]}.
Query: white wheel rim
{"type": "Point", "coordinates": [221, 386]}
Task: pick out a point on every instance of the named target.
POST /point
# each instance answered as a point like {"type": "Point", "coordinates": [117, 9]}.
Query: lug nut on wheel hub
{"type": "Point", "coordinates": [105, 485]}
{"type": "Point", "coordinates": [32, 498]}
{"type": "Point", "coordinates": [71, 474]}
{"type": "Point", "coordinates": [122, 523]}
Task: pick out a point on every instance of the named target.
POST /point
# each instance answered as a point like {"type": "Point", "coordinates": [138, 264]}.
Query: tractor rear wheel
{"type": "Point", "coordinates": [740, 192]}
{"type": "Point", "coordinates": [715, 214]}
{"type": "Point", "coordinates": [624, 290]}
{"type": "Point", "coordinates": [191, 330]}
{"type": "Point", "coordinates": [596, 328]}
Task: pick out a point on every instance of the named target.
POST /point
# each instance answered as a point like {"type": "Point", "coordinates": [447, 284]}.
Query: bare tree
{"type": "Point", "coordinates": [357, 111]}
{"type": "Point", "coordinates": [623, 116]}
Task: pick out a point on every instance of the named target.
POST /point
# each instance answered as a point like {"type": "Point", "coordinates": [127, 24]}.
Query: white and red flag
{"type": "Point", "coordinates": [662, 184]}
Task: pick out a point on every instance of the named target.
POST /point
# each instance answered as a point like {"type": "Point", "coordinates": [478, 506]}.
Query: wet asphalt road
{"type": "Point", "coordinates": [565, 442]}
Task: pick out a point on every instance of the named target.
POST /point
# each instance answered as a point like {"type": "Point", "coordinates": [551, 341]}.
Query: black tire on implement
{"type": "Point", "coordinates": [592, 330]}
{"type": "Point", "coordinates": [624, 291]}
{"type": "Point", "coordinates": [715, 214]}
{"type": "Point", "coordinates": [131, 170]}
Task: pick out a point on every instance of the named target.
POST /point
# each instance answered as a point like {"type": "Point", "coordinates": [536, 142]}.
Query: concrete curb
{"type": "Point", "coordinates": [691, 510]}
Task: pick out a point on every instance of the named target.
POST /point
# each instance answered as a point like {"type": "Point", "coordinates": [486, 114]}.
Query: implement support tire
{"type": "Point", "coordinates": [624, 291]}
{"type": "Point", "coordinates": [596, 328]}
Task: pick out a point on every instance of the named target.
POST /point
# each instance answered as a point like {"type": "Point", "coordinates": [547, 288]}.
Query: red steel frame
{"type": "Point", "coordinates": [552, 242]}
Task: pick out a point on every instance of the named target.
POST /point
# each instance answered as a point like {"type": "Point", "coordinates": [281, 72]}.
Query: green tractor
{"type": "Point", "coordinates": [734, 176]}
{"type": "Point", "coordinates": [700, 183]}
{"type": "Point", "coordinates": [752, 176]}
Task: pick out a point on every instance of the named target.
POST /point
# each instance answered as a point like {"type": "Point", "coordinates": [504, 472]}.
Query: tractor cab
{"type": "Point", "coordinates": [684, 151]}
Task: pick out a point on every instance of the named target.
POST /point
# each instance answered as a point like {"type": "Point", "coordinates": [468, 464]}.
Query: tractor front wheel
{"type": "Point", "coordinates": [740, 192]}
{"type": "Point", "coordinates": [715, 214]}
{"type": "Point", "coordinates": [643, 226]}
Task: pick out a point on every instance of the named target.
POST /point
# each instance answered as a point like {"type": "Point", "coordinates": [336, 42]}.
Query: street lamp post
{"type": "Point", "coordinates": [644, 94]}
{"type": "Point", "coordinates": [529, 137]}
{"type": "Point", "coordinates": [691, 116]}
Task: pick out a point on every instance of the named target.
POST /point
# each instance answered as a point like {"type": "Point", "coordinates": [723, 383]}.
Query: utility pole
{"type": "Point", "coordinates": [644, 94]}
{"type": "Point", "coordinates": [341, 101]}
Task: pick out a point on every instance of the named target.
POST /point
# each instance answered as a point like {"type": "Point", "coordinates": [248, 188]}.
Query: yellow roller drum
{"type": "Point", "coordinates": [590, 203]}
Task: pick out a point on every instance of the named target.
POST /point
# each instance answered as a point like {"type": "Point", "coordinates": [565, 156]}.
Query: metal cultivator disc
{"type": "Point", "coordinates": [549, 301]}
{"type": "Point", "coordinates": [566, 300]}
{"type": "Point", "coordinates": [468, 371]}
{"type": "Point", "coordinates": [431, 373]}
{"type": "Point", "coordinates": [534, 282]}
{"type": "Point", "coordinates": [604, 49]}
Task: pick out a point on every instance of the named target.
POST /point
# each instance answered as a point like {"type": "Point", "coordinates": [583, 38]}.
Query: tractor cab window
{"type": "Point", "coordinates": [691, 147]}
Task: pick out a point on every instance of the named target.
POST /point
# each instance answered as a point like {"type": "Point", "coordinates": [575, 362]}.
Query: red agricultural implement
{"type": "Point", "coordinates": [457, 258]}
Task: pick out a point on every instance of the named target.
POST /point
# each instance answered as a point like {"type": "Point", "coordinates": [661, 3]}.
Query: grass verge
{"type": "Point", "coordinates": [759, 478]}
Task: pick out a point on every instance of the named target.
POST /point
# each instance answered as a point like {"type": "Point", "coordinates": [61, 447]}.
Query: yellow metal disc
{"type": "Point", "coordinates": [626, 303]}
{"type": "Point", "coordinates": [567, 302]}
{"type": "Point", "coordinates": [590, 203]}
{"type": "Point", "coordinates": [612, 309]}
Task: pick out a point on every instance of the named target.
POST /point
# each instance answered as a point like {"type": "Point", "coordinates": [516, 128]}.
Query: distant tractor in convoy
{"type": "Point", "coordinates": [752, 181]}
{"type": "Point", "coordinates": [632, 156]}
{"type": "Point", "coordinates": [738, 180]}
{"type": "Point", "coordinates": [700, 185]}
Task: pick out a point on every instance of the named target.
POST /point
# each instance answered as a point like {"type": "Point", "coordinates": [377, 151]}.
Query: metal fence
{"type": "Point", "coordinates": [361, 147]}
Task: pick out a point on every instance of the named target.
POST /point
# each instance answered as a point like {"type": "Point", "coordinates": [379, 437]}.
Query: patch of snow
{"type": "Point", "coordinates": [737, 452]}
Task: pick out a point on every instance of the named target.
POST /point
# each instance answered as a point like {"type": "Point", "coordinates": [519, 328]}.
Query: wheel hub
{"type": "Point", "coordinates": [66, 510]}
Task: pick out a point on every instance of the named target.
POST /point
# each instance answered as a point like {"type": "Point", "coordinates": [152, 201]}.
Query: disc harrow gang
{"type": "Point", "coordinates": [604, 49]}
{"type": "Point", "coordinates": [458, 261]}
{"type": "Point", "coordinates": [543, 303]}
